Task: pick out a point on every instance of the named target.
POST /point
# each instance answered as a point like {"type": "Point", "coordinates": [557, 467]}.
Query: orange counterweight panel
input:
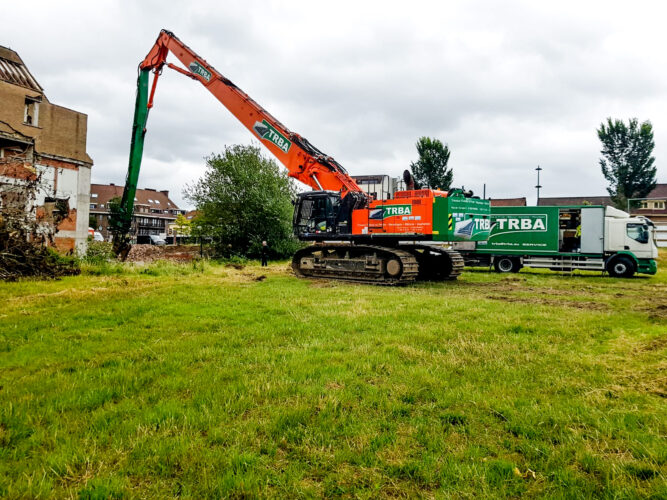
{"type": "Point", "coordinates": [398, 216]}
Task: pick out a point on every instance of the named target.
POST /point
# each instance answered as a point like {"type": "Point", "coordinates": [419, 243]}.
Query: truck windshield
{"type": "Point", "coordinates": [638, 232]}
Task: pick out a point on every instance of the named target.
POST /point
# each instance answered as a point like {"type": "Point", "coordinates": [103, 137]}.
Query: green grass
{"type": "Point", "coordinates": [209, 381]}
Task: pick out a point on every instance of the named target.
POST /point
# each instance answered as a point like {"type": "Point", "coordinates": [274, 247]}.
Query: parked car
{"type": "Point", "coordinates": [97, 236]}
{"type": "Point", "coordinates": [157, 240]}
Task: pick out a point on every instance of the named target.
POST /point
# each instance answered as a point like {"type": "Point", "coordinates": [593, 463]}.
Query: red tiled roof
{"type": "Point", "coordinates": [150, 198]}
{"type": "Point", "coordinates": [660, 191]}
{"type": "Point", "coordinates": [508, 202]}
{"type": "Point", "coordinates": [574, 200]}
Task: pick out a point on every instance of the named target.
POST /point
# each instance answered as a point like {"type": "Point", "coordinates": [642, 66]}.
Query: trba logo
{"type": "Point", "coordinates": [391, 211]}
{"type": "Point", "coordinates": [267, 132]}
{"type": "Point", "coordinates": [518, 224]}
{"type": "Point", "coordinates": [200, 70]}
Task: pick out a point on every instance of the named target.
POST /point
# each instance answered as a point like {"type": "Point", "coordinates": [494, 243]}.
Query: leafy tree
{"type": "Point", "coordinates": [627, 161]}
{"type": "Point", "coordinates": [182, 225]}
{"type": "Point", "coordinates": [244, 198]}
{"type": "Point", "coordinates": [430, 170]}
{"type": "Point", "coordinates": [92, 221]}
{"type": "Point", "coordinates": [113, 206]}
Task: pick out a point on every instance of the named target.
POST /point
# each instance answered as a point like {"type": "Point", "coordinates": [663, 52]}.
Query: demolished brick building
{"type": "Point", "coordinates": [44, 141]}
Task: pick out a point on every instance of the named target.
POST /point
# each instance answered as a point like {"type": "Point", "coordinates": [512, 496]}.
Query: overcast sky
{"type": "Point", "coordinates": [507, 85]}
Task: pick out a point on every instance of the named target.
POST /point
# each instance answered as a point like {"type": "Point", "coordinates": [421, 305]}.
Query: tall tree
{"type": "Point", "coordinates": [431, 170]}
{"type": "Point", "coordinates": [627, 161]}
{"type": "Point", "coordinates": [244, 198]}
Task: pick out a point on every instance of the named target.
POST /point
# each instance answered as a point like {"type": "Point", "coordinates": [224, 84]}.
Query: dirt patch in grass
{"type": "Point", "coordinates": [321, 283]}
{"type": "Point", "coordinates": [235, 265]}
{"type": "Point", "coordinates": [652, 345]}
{"type": "Point", "coordinates": [545, 301]}
{"type": "Point", "coordinates": [656, 309]}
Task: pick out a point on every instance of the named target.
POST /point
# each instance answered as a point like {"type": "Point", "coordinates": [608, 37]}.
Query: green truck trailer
{"type": "Point", "coordinates": [593, 238]}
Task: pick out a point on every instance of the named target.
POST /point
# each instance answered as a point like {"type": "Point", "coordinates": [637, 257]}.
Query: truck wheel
{"type": "Point", "coordinates": [506, 265]}
{"type": "Point", "coordinates": [621, 267]}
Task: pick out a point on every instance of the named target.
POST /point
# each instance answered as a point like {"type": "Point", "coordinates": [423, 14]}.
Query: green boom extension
{"type": "Point", "coordinates": [121, 219]}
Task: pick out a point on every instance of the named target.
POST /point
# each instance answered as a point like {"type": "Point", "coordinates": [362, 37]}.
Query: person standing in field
{"type": "Point", "coordinates": [265, 253]}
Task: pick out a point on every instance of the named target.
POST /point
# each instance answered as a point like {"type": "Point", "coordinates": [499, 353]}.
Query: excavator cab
{"type": "Point", "coordinates": [325, 215]}
{"type": "Point", "coordinates": [315, 214]}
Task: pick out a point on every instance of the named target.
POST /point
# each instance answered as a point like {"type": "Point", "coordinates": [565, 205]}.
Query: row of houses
{"type": "Point", "coordinates": [154, 212]}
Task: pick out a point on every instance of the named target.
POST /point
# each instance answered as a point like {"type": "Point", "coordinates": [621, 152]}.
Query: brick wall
{"type": "Point", "coordinates": [59, 132]}
{"type": "Point", "coordinates": [58, 155]}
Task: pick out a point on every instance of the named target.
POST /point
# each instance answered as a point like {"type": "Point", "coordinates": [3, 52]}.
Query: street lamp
{"type": "Point", "coordinates": [538, 187]}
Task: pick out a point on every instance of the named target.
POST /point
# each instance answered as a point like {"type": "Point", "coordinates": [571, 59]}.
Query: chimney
{"type": "Point", "coordinates": [165, 192]}
{"type": "Point", "coordinates": [111, 184]}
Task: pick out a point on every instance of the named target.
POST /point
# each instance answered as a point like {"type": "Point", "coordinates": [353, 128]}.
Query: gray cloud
{"type": "Point", "coordinates": [508, 85]}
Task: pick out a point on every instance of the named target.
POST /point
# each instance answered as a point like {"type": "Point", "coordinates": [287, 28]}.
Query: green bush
{"type": "Point", "coordinates": [286, 248]}
{"type": "Point", "coordinates": [98, 252]}
{"type": "Point", "coordinates": [66, 265]}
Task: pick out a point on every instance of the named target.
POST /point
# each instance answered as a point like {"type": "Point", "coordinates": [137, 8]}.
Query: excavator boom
{"type": "Point", "coordinates": [303, 161]}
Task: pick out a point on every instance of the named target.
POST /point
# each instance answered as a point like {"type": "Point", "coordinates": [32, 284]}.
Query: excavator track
{"type": "Point", "coordinates": [436, 263]}
{"type": "Point", "coordinates": [359, 263]}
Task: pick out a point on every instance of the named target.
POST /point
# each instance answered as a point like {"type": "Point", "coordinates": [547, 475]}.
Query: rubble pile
{"type": "Point", "coordinates": [145, 253]}
{"type": "Point", "coordinates": [150, 253]}
{"type": "Point", "coordinates": [20, 258]}
{"type": "Point", "coordinates": [25, 240]}
{"type": "Point", "coordinates": [181, 253]}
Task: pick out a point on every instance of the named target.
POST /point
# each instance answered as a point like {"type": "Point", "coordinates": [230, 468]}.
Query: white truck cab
{"type": "Point", "coordinates": [626, 236]}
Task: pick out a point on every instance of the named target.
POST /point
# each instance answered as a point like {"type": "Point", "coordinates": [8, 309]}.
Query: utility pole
{"type": "Point", "coordinates": [538, 187]}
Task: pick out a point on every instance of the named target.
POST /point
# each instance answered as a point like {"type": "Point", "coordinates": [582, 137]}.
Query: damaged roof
{"type": "Point", "coordinates": [14, 71]}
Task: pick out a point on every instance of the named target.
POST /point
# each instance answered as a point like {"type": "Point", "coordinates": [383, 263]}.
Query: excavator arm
{"type": "Point", "coordinates": [303, 161]}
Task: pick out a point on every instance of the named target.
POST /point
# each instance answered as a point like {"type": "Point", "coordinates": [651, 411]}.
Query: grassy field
{"type": "Point", "coordinates": [221, 382]}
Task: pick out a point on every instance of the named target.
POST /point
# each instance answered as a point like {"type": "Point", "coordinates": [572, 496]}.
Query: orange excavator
{"type": "Point", "coordinates": [354, 237]}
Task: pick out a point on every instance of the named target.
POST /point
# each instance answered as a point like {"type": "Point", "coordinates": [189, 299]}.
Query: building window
{"type": "Point", "coordinates": [31, 112]}
{"type": "Point", "coordinates": [93, 205]}
{"type": "Point", "coordinates": [659, 205]}
{"type": "Point", "coordinates": [93, 195]}
{"type": "Point", "coordinates": [643, 204]}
